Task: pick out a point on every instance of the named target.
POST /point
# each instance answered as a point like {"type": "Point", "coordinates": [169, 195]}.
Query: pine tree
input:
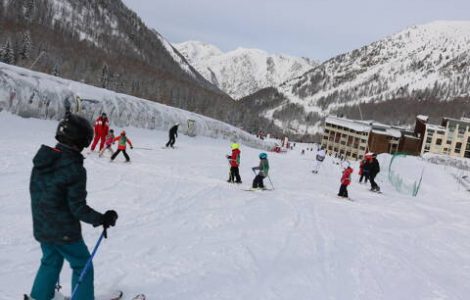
{"type": "Point", "coordinates": [26, 46]}
{"type": "Point", "coordinates": [105, 76]}
{"type": "Point", "coordinates": [7, 53]}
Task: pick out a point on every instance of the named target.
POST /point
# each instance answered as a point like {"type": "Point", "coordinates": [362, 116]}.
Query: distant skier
{"type": "Point", "coordinates": [108, 143]}
{"type": "Point", "coordinates": [173, 133]}
{"type": "Point", "coordinates": [319, 158]}
{"type": "Point", "coordinates": [101, 131]}
{"type": "Point", "coordinates": [364, 169]}
{"type": "Point", "coordinates": [58, 204]}
{"type": "Point", "coordinates": [234, 161]}
{"type": "Point", "coordinates": [263, 169]}
{"type": "Point", "coordinates": [345, 181]}
{"type": "Point", "coordinates": [122, 141]}
{"type": "Point", "coordinates": [373, 171]}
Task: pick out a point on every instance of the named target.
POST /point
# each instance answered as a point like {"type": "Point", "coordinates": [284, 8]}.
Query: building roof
{"type": "Point", "coordinates": [435, 127]}
{"type": "Point", "coordinates": [388, 131]}
{"type": "Point", "coordinates": [347, 123]}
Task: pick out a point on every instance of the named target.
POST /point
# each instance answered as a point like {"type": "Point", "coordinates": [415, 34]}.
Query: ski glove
{"type": "Point", "coordinates": [109, 218]}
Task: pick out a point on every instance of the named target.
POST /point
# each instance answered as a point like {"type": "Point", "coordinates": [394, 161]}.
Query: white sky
{"type": "Point", "coordinates": [318, 29]}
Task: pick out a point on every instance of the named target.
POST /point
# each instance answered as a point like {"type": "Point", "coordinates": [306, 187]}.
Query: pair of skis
{"type": "Point", "coordinates": [118, 296]}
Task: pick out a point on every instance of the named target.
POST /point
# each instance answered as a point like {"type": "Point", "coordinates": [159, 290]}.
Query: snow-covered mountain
{"type": "Point", "coordinates": [423, 64]}
{"type": "Point", "coordinates": [242, 72]}
{"type": "Point", "coordinates": [105, 44]}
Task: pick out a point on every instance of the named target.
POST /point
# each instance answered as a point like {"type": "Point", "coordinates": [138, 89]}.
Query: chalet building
{"type": "Point", "coordinates": [352, 139]}
{"type": "Point", "coordinates": [452, 137]}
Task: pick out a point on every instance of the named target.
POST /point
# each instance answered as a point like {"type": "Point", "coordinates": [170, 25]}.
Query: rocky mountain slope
{"type": "Point", "coordinates": [105, 44]}
{"type": "Point", "coordinates": [242, 72]}
{"type": "Point", "coordinates": [423, 68]}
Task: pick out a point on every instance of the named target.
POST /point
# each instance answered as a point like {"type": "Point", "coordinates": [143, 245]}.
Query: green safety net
{"type": "Point", "coordinates": [399, 182]}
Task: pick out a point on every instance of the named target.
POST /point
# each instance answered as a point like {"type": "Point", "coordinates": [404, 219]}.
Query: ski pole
{"type": "Point", "coordinates": [88, 263]}
{"type": "Point", "coordinates": [271, 182]}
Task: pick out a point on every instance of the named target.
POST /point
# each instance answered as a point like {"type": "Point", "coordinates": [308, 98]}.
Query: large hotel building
{"type": "Point", "coordinates": [352, 139]}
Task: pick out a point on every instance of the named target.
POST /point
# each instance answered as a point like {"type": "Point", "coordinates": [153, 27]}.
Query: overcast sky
{"type": "Point", "coordinates": [318, 29]}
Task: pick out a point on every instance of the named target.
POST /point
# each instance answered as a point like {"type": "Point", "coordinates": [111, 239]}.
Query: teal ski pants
{"type": "Point", "coordinates": [53, 256]}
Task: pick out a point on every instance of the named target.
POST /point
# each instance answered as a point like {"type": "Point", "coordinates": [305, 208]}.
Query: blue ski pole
{"type": "Point", "coordinates": [88, 263]}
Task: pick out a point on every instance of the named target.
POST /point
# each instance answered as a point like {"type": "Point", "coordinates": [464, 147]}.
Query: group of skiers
{"type": "Point", "coordinates": [105, 136]}
{"type": "Point", "coordinates": [58, 196]}
{"type": "Point", "coordinates": [234, 173]}
{"type": "Point", "coordinates": [368, 169]}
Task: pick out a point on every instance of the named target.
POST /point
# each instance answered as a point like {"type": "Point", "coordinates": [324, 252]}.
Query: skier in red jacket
{"type": "Point", "coordinates": [234, 161]}
{"type": "Point", "coordinates": [101, 131]}
{"type": "Point", "coordinates": [345, 181]}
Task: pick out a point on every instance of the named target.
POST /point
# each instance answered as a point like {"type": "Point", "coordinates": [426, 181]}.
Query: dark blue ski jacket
{"type": "Point", "coordinates": [58, 196]}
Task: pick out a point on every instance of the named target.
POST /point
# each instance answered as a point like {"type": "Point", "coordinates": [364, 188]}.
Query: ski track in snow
{"type": "Point", "coordinates": [184, 233]}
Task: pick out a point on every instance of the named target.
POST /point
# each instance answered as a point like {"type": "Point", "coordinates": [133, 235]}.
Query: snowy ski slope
{"type": "Point", "coordinates": [184, 233]}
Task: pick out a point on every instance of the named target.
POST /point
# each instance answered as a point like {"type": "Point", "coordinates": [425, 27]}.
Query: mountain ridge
{"type": "Point", "coordinates": [242, 71]}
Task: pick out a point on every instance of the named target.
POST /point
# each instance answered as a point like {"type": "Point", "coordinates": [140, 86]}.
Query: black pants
{"type": "Point", "coordinates": [123, 152]}
{"type": "Point", "coordinates": [235, 175]}
{"type": "Point", "coordinates": [373, 184]}
{"type": "Point", "coordinates": [172, 141]}
{"type": "Point", "coordinates": [365, 176]}
{"type": "Point", "coordinates": [258, 182]}
{"type": "Point", "coordinates": [343, 191]}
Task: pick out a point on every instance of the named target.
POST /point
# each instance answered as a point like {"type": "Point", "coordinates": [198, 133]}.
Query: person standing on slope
{"type": "Point", "coordinates": [122, 140]}
{"type": "Point", "coordinates": [109, 142]}
{"type": "Point", "coordinates": [234, 161]}
{"type": "Point", "coordinates": [263, 171]}
{"type": "Point", "coordinates": [319, 158]}
{"type": "Point", "coordinates": [374, 169]}
{"type": "Point", "coordinates": [364, 169]}
{"type": "Point", "coordinates": [173, 133]}
{"type": "Point", "coordinates": [345, 181]}
{"type": "Point", "coordinates": [58, 204]}
{"type": "Point", "coordinates": [101, 131]}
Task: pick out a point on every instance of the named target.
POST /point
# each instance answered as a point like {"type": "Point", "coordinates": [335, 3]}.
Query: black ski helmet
{"type": "Point", "coordinates": [74, 130]}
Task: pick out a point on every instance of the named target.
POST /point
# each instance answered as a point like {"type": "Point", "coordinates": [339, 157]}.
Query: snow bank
{"type": "Point", "coordinates": [37, 95]}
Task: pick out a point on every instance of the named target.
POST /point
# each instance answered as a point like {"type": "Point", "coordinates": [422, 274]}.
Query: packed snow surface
{"type": "Point", "coordinates": [184, 233]}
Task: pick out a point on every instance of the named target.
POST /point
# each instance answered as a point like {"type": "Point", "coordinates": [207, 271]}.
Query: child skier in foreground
{"type": "Point", "coordinates": [58, 203]}
{"type": "Point", "coordinates": [122, 141]}
{"type": "Point", "coordinates": [263, 171]}
{"type": "Point", "coordinates": [345, 181]}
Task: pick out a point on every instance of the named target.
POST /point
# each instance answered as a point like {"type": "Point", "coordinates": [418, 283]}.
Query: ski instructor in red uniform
{"type": "Point", "coordinates": [101, 131]}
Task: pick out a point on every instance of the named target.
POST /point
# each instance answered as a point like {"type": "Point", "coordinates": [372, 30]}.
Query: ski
{"type": "Point", "coordinates": [256, 190]}
{"type": "Point", "coordinates": [117, 296]}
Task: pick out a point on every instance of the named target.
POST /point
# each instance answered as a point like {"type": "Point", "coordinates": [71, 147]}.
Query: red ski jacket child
{"type": "Point", "coordinates": [346, 178]}
{"type": "Point", "coordinates": [235, 158]}
{"type": "Point", "coordinates": [122, 140]}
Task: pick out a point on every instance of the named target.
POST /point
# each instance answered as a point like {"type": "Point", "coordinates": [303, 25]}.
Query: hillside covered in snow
{"type": "Point", "coordinates": [105, 44]}
{"type": "Point", "coordinates": [32, 94]}
{"type": "Point", "coordinates": [184, 233]}
{"type": "Point", "coordinates": [242, 71]}
{"type": "Point", "coordinates": [424, 68]}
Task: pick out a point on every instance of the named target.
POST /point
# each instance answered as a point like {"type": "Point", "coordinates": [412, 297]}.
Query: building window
{"type": "Point", "coordinates": [362, 148]}
{"type": "Point", "coordinates": [449, 142]}
{"type": "Point", "coordinates": [429, 140]}
{"type": "Point", "coordinates": [458, 147]}
{"type": "Point", "coordinates": [439, 142]}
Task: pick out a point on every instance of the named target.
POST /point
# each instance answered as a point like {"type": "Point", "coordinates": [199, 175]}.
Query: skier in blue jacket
{"type": "Point", "coordinates": [58, 203]}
